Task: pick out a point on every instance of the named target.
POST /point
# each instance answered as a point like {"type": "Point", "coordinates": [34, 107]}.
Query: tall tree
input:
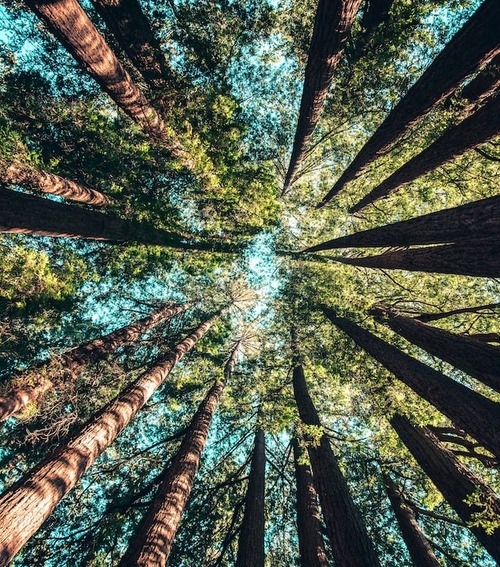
{"type": "Point", "coordinates": [480, 127]}
{"type": "Point", "coordinates": [332, 24]}
{"type": "Point", "coordinates": [457, 483]}
{"type": "Point", "coordinates": [29, 385]}
{"type": "Point", "coordinates": [27, 504]}
{"type": "Point", "coordinates": [251, 538]}
{"type": "Point", "coordinates": [474, 357]}
{"type": "Point", "coordinates": [311, 543]}
{"type": "Point", "coordinates": [427, 317]}
{"type": "Point", "coordinates": [346, 531]}
{"type": "Point", "coordinates": [472, 47]}
{"type": "Point", "coordinates": [417, 544]}
{"type": "Point", "coordinates": [471, 411]}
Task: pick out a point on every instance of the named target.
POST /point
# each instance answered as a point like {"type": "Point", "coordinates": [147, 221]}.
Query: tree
{"type": "Point", "coordinates": [347, 534]}
{"type": "Point", "coordinates": [471, 48]}
{"type": "Point", "coordinates": [26, 505]}
{"type": "Point", "coordinates": [466, 493]}
{"type": "Point", "coordinates": [469, 410]}
{"type": "Point", "coordinates": [375, 12]}
{"type": "Point", "coordinates": [427, 317]}
{"type": "Point", "coordinates": [483, 86]}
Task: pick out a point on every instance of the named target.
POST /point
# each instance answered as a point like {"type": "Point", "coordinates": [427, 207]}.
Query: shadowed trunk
{"type": "Point", "coordinates": [484, 85]}
{"type": "Point", "coordinates": [25, 506]}
{"type": "Point", "coordinates": [426, 317]}
{"type": "Point", "coordinates": [417, 544]}
{"type": "Point", "coordinates": [346, 531]}
{"type": "Point", "coordinates": [311, 544]}
{"type": "Point", "coordinates": [456, 482]}
{"type": "Point", "coordinates": [474, 357]}
{"type": "Point", "coordinates": [471, 411]}
{"type": "Point", "coordinates": [331, 29]}
{"type": "Point", "coordinates": [251, 539]}
{"type": "Point", "coordinates": [375, 13]}
{"type": "Point", "coordinates": [470, 49]}
{"type": "Point", "coordinates": [478, 128]}
{"type": "Point", "coordinates": [73, 361]}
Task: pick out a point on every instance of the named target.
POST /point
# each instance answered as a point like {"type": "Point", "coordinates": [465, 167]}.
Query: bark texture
{"type": "Point", "coordinates": [72, 361]}
{"type": "Point", "coordinates": [25, 506]}
{"type": "Point", "coordinates": [251, 538]}
{"type": "Point", "coordinates": [331, 29]}
{"type": "Point", "coordinates": [483, 86]}
{"type": "Point", "coordinates": [471, 48]}
{"type": "Point", "coordinates": [346, 531]}
{"type": "Point", "coordinates": [451, 478]}
{"type": "Point", "coordinates": [472, 412]}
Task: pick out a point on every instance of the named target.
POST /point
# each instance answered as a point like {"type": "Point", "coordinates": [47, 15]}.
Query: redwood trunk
{"type": "Point", "coordinates": [479, 128]}
{"type": "Point", "coordinates": [251, 538]}
{"type": "Point", "coordinates": [426, 317]}
{"type": "Point", "coordinates": [456, 482]}
{"type": "Point", "coordinates": [470, 49]}
{"type": "Point", "coordinates": [25, 506]}
{"type": "Point", "coordinates": [331, 29]}
{"type": "Point", "coordinates": [154, 537]}
{"type": "Point", "coordinates": [73, 361]}
{"type": "Point", "coordinates": [311, 543]}
{"type": "Point", "coordinates": [471, 411]}
{"type": "Point", "coordinates": [484, 85]}
{"type": "Point", "coordinates": [346, 531]}
{"type": "Point", "coordinates": [474, 357]}
{"type": "Point", "coordinates": [375, 13]}
{"type": "Point", "coordinates": [417, 544]}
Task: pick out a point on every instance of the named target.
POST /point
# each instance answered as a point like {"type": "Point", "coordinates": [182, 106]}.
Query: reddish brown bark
{"type": "Point", "coordinates": [472, 412]}
{"type": "Point", "coordinates": [456, 482]}
{"type": "Point", "coordinates": [72, 361]}
{"type": "Point", "coordinates": [25, 506]}
{"type": "Point", "coordinates": [427, 317]}
{"type": "Point", "coordinates": [471, 48]}
{"type": "Point", "coordinates": [484, 85]}
{"type": "Point", "coordinates": [346, 531]}
{"type": "Point", "coordinates": [251, 538]}
{"type": "Point", "coordinates": [311, 543]}
{"type": "Point", "coordinates": [331, 29]}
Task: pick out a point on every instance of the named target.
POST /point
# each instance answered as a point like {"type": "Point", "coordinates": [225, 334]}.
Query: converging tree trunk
{"type": "Point", "coordinates": [474, 413]}
{"type": "Point", "coordinates": [311, 543]}
{"type": "Point", "coordinates": [458, 484]}
{"type": "Point", "coordinates": [482, 126]}
{"type": "Point", "coordinates": [346, 531]}
{"type": "Point", "coordinates": [483, 86]}
{"type": "Point", "coordinates": [427, 317]}
{"type": "Point", "coordinates": [30, 384]}
{"type": "Point", "coordinates": [474, 357]}
{"type": "Point", "coordinates": [251, 538]}
{"type": "Point", "coordinates": [471, 48]}
{"type": "Point", "coordinates": [25, 506]}
{"type": "Point", "coordinates": [331, 29]}
{"type": "Point", "coordinates": [417, 544]}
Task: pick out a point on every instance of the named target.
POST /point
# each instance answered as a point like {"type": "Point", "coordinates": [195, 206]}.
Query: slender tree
{"type": "Point", "coordinates": [346, 531]}
{"type": "Point", "coordinates": [427, 317]}
{"type": "Point", "coordinates": [474, 413]}
{"type": "Point", "coordinates": [466, 493]}
{"type": "Point", "coordinates": [480, 127]}
{"type": "Point", "coordinates": [474, 357]}
{"type": "Point", "coordinates": [251, 538]}
{"type": "Point", "coordinates": [417, 544]}
{"type": "Point", "coordinates": [31, 384]}
{"type": "Point", "coordinates": [311, 543]}
{"type": "Point", "coordinates": [333, 21]}
{"type": "Point", "coordinates": [27, 504]}
{"type": "Point", "coordinates": [471, 48]}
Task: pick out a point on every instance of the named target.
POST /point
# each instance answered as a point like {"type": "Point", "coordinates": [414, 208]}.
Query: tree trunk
{"type": "Point", "coordinates": [311, 543]}
{"type": "Point", "coordinates": [71, 362]}
{"type": "Point", "coordinates": [456, 482]}
{"type": "Point", "coordinates": [350, 543]}
{"type": "Point", "coordinates": [479, 219]}
{"type": "Point", "coordinates": [474, 357]}
{"type": "Point", "coordinates": [471, 411]}
{"type": "Point", "coordinates": [375, 13]}
{"type": "Point", "coordinates": [251, 538]}
{"type": "Point", "coordinates": [480, 127]}
{"type": "Point", "coordinates": [331, 29]}
{"type": "Point", "coordinates": [25, 506]}
{"type": "Point", "coordinates": [154, 537]}
{"type": "Point", "coordinates": [471, 48]}
{"type": "Point", "coordinates": [426, 317]}
{"type": "Point", "coordinates": [38, 180]}
{"type": "Point", "coordinates": [477, 258]}
{"type": "Point", "coordinates": [484, 85]}
{"type": "Point", "coordinates": [417, 544]}
{"type": "Point", "coordinates": [27, 214]}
